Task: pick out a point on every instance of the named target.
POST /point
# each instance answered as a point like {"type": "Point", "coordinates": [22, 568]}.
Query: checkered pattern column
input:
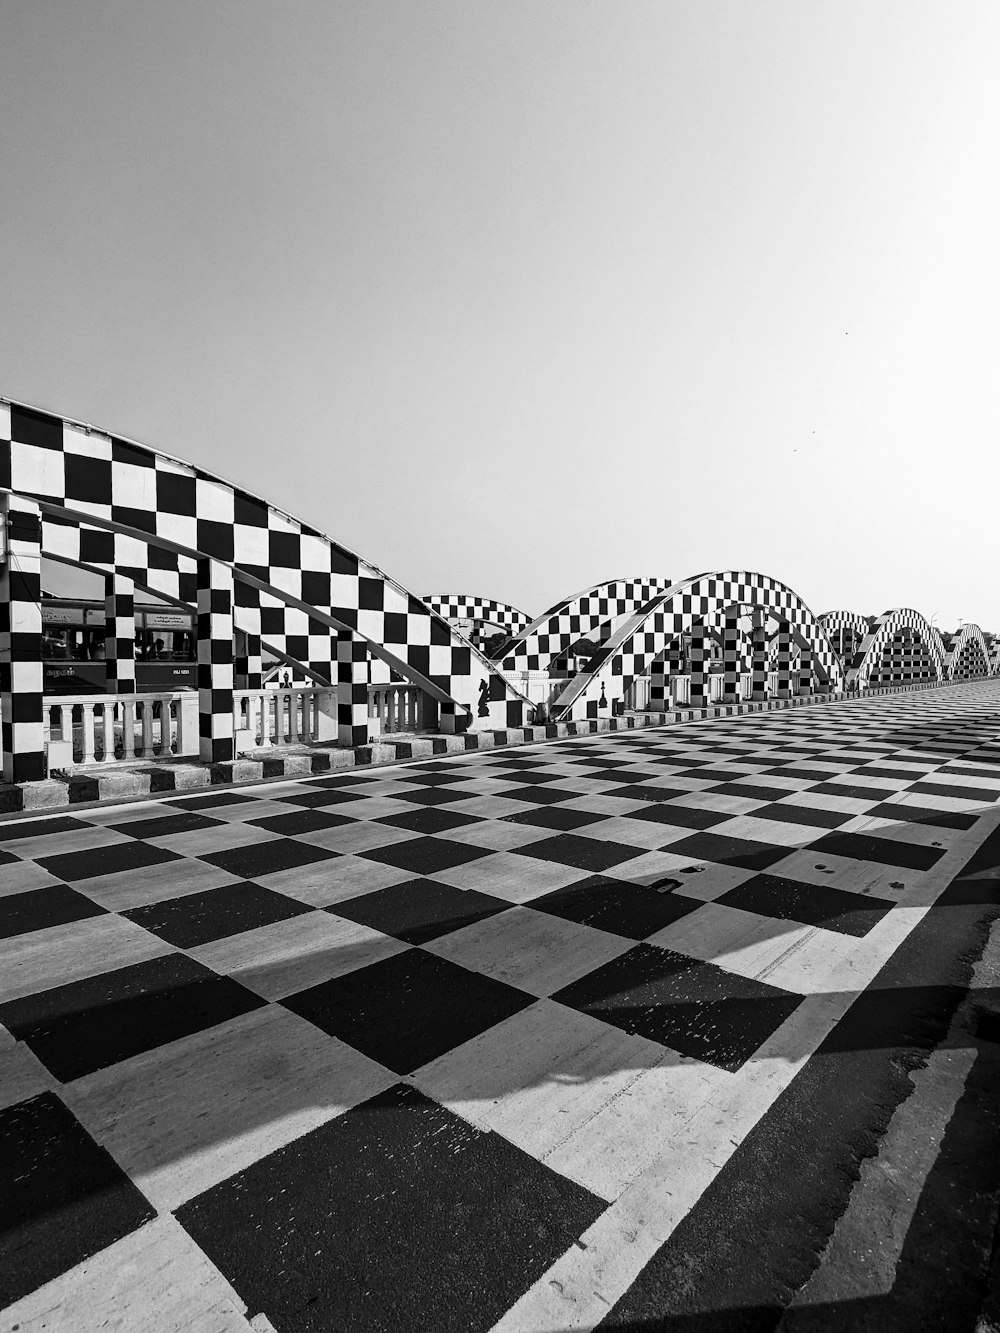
{"type": "Point", "coordinates": [659, 686]}
{"type": "Point", "coordinates": [805, 672]}
{"type": "Point", "coordinates": [119, 634]}
{"type": "Point", "coordinates": [352, 690]}
{"type": "Point", "coordinates": [731, 661]}
{"type": "Point", "coordinates": [758, 661]}
{"type": "Point", "coordinates": [215, 662]}
{"type": "Point", "coordinates": [248, 666]}
{"type": "Point", "coordinates": [21, 708]}
{"type": "Point", "coordinates": [699, 676]}
{"type": "Point", "coordinates": [784, 660]}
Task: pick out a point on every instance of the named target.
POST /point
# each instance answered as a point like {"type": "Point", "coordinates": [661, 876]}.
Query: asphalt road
{"type": "Point", "coordinates": [667, 1029]}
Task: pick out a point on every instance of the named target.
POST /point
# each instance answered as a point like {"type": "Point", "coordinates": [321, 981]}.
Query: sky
{"type": "Point", "coordinates": [515, 296]}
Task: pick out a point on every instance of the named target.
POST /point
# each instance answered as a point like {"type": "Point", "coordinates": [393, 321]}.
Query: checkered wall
{"type": "Point", "coordinates": [894, 659]}
{"type": "Point", "coordinates": [578, 617]}
{"type": "Point", "coordinates": [119, 632]}
{"type": "Point", "coordinates": [488, 617]}
{"type": "Point", "coordinates": [145, 494]}
{"type": "Point", "coordinates": [695, 606]}
{"type": "Point", "coordinates": [967, 656]}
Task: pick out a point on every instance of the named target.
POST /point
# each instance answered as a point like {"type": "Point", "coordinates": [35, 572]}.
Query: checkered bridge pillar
{"type": "Point", "coordinates": [248, 665]}
{"type": "Point", "coordinates": [784, 660]}
{"type": "Point", "coordinates": [699, 676]}
{"type": "Point", "coordinates": [352, 690]}
{"type": "Point", "coordinates": [215, 662]}
{"type": "Point", "coordinates": [758, 662]}
{"type": "Point", "coordinates": [21, 708]}
{"type": "Point", "coordinates": [731, 658]}
{"type": "Point", "coordinates": [805, 672]}
{"type": "Point", "coordinates": [119, 634]}
{"type": "Point", "coordinates": [659, 686]}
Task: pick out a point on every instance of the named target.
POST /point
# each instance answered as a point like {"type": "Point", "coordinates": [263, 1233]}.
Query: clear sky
{"type": "Point", "coordinates": [511, 296]}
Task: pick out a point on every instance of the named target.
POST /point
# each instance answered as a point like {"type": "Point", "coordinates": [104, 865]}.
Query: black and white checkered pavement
{"type": "Point", "coordinates": [419, 1046]}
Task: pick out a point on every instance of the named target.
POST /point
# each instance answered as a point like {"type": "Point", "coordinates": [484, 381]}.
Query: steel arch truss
{"type": "Point", "coordinates": [578, 617]}
{"type": "Point", "coordinates": [707, 605]}
{"type": "Point", "coordinates": [169, 505]}
{"type": "Point", "coordinates": [486, 616]}
{"type": "Point", "coordinates": [967, 657]}
{"type": "Point", "coordinates": [902, 647]}
{"type": "Point", "coordinates": [847, 630]}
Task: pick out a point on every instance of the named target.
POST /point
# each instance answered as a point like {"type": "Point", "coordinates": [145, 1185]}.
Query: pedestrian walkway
{"type": "Point", "coordinates": [451, 1045]}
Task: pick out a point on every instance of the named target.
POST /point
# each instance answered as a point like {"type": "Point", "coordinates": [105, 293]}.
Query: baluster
{"type": "Point", "coordinates": [147, 727]}
{"type": "Point", "coordinates": [279, 717]}
{"type": "Point", "coordinates": [128, 728]}
{"type": "Point", "coordinates": [294, 701]}
{"type": "Point", "coordinates": [66, 722]}
{"type": "Point", "coordinates": [165, 726]}
{"type": "Point", "coordinates": [87, 718]}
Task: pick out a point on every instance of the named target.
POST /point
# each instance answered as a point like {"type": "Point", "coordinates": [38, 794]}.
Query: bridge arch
{"type": "Point", "coordinates": [967, 657]}
{"type": "Point", "coordinates": [577, 617]}
{"type": "Point", "coordinates": [485, 616]}
{"type": "Point", "coordinates": [901, 647]}
{"type": "Point", "coordinates": [846, 629]}
{"type": "Point", "coordinates": [708, 603]}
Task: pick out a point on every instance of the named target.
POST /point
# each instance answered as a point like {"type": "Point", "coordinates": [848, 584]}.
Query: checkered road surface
{"type": "Point", "coordinates": [417, 1046]}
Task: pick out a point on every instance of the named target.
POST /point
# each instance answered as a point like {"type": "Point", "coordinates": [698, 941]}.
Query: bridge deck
{"type": "Point", "coordinates": [471, 1042]}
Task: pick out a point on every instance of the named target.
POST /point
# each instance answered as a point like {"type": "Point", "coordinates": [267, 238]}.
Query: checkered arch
{"type": "Point", "coordinates": [696, 606]}
{"type": "Point", "coordinates": [488, 617]}
{"type": "Point", "coordinates": [902, 646]}
{"type": "Point", "coordinates": [846, 629]}
{"type": "Point", "coordinates": [130, 489]}
{"type": "Point", "coordinates": [578, 617]}
{"type": "Point", "coordinates": [967, 657]}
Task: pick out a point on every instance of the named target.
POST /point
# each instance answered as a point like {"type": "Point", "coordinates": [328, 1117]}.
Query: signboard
{"type": "Point", "coordinates": [62, 615]}
{"type": "Point", "coordinates": [167, 620]}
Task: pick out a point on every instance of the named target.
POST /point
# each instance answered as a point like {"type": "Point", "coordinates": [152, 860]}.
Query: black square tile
{"type": "Point", "coordinates": [592, 854]}
{"type": "Point", "coordinates": [212, 799]}
{"type": "Point", "coordinates": [426, 856]}
{"type": "Point", "coordinates": [530, 777]}
{"type": "Point", "coordinates": [197, 918]}
{"type": "Point", "coordinates": [419, 909]}
{"type": "Point", "coordinates": [63, 1198]}
{"type": "Point", "coordinates": [636, 792]}
{"type": "Point", "coordinates": [680, 816]}
{"type": "Point", "coordinates": [970, 793]}
{"type": "Point", "coordinates": [787, 813]}
{"type": "Point", "coordinates": [710, 774]}
{"type": "Point", "coordinates": [432, 819]}
{"type": "Point", "coordinates": [631, 910]}
{"type": "Point", "coordinates": [319, 800]}
{"type": "Point", "coordinates": [624, 776]}
{"type": "Point", "coordinates": [878, 771]}
{"type": "Point", "coordinates": [554, 817]}
{"type": "Point", "coordinates": [883, 851]}
{"type": "Point", "coordinates": [444, 778]}
{"type": "Point", "coordinates": [811, 904]}
{"type": "Point", "coordinates": [914, 814]}
{"type": "Point", "coordinates": [301, 821]}
{"type": "Point", "coordinates": [750, 791]}
{"type": "Point", "coordinates": [40, 828]}
{"type": "Point", "coordinates": [431, 796]}
{"type": "Point", "coordinates": [854, 790]}
{"type": "Point", "coordinates": [110, 860]}
{"type": "Point", "coordinates": [266, 858]}
{"type": "Point", "coordinates": [539, 795]}
{"type": "Point", "coordinates": [397, 1214]}
{"type": "Point", "coordinates": [38, 909]}
{"type": "Point", "coordinates": [794, 770]}
{"type": "Point", "coordinates": [163, 826]}
{"type": "Point", "coordinates": [728, 851]}
{"type": "Point", "coordinates": [90, 1024]}
{"type": "Point", "coordinates": [693, 1007]}
{"type": "Point", "coordinates": [408, 1009]}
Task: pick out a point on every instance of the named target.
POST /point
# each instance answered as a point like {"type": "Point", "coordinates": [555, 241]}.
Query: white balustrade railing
{"type": "Point", "coordinates": [397, 708]}
{"type": "Point", "coordinates": [87, 729]}
{"type": "Point", "coordinates": [269, 719]}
